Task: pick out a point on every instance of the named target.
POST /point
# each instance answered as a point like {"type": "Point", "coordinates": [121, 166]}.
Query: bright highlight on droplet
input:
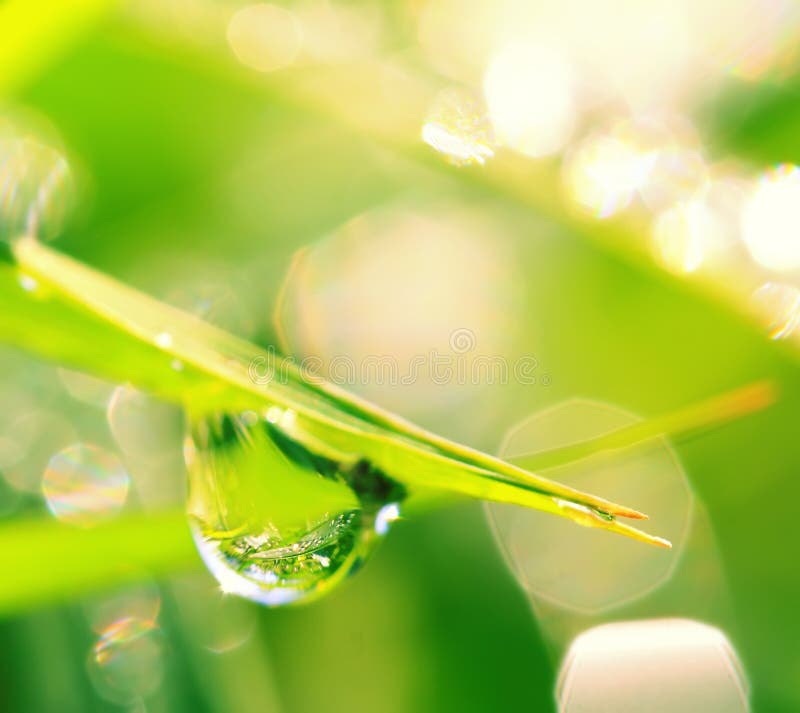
{"type": "Point", "coordinates": [457, 126]}
{"type": "Point", "coordinates": [660, 665]}
{"type": "Point", "coordinates": [529, 92]}
{"type": "Point", "coordinates": [771, 219]}
{"type": "Point", "coordinates": [126, 664]}
{"type": "Point", "coordinates": [386, 516]}
{"type": "Point", "coordinates": [264, 37]}
{"type": "Point", "coordinates": [778, 307]}
{"type": "Point", "coordinates": [84, 485]}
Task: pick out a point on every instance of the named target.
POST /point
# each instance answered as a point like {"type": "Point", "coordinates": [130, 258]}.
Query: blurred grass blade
{"type": "Point", "coordinates": [44, 561]}
{"type": "Point", "coordinates": [34, 32]}
{"type": "Point", "coordinates": [711, 412]}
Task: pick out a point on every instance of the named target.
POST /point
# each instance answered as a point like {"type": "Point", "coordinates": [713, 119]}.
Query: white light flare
{"type": "Point", "coordinates": [771, 219]}
{"type": "Point", "coordinates": [530, 93]}
{"type": "Point", "coordinates": [604, 173]}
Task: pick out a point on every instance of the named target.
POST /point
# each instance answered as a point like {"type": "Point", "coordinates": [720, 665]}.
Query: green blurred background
{"type": "Point", "coordinates": [191, 173]}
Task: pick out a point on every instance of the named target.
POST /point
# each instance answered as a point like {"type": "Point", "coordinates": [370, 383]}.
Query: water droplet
{"type": "Point", "coordinates": [126, 663]}
{"type": "Point", "coordinates": [273, 521]}
{"type": "Point", "coordinates": [84, 485]}
{"type": "Point", "coordinates": [457, 126]}
{"type": "Point", "coordinates": [660, 665]}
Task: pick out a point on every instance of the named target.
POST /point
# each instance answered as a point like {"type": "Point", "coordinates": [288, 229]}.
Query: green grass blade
{"type": "Point", "coordinates": [44, 561]}
{"type": "Point", "coordinates": [92, 322]}
{"type": "Point", "coordinates": [214, 374]}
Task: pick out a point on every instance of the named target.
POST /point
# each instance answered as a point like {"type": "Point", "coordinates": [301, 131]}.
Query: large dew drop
{"type": "Point", "coordinates": [273, 521]}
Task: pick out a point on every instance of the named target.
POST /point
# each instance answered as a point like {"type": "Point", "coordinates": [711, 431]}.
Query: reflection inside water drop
{"type": "Point", "coordinates": [274, 522]}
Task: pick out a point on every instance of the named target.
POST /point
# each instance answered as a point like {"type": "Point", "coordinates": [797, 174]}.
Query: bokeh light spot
{"type": "Point", "coordinates": [678, 173]}
{"type": "Point", "coordinates": [28, 442]}
{"type": "Point", "coordinates": [84, 485]}
{"type": "Point", "coordinates": [126, 663]}
{"type": "Point", "coordinates": [661, 666]}
{"type": "Point", "coordinates": [141, 602]}
{"type": "Point", "coordinates": [778, 307]}
{"type": "Point", "coordinates": [529, 92]}
{"type": "Point", "coordinates": [771, 219]}
{"type": "Point", "coordinates": [579, 568]}
{"type": "Point", "coordinates": [143, 427]}
{"type": "Point", "coordinates": [220, 623]}
{"type": "Point", "coordinates": [337, 32]}
{"type": "Point", "coordinates": [86, 388]}
{"type": "Point", "coordinates": [603, 174]}
{"type": "Point", "coordinates": [370, 307]}
{"type": "Point", "coordinates": [37, 190]}
{"type": "Point", "coordinates": [685, 235]}
{"type": "Point", "coordinates": [264, 37]}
